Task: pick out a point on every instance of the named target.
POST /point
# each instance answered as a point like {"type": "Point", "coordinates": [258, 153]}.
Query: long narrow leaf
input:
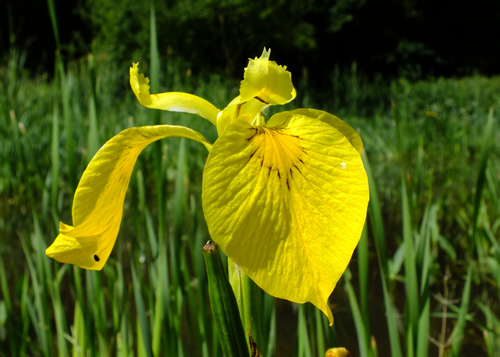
{"type": "Point", "coordinates": [363, 344]}
{"type": "Point", "coordinates": [412, 292]}
{"type": "Point", "coordinates": [377, 225]}
{"type": "Point", "coordinates": [458, 331]}
{"type": "Point", "coordinates": [363, 272]}
{"type": "Point", "coordinates": [481, 175]}
{"type": "Point", "coordinates": [141, 314]}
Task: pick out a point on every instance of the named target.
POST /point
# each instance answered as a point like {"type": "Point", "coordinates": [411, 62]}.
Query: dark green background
{"type": "Point", "coordinates": [429, 38]}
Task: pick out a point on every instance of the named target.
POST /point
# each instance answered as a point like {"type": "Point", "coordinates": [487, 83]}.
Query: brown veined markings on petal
{"type": "Point", "coordinates": [268, 156]}
{"type": "Point", "coordinates": [322, 193]}
{"type": "Point", "coordinates": [277, 156]}
{"type": "Point", "coordinates": [246, 182]}
{"type": "Point", "coordinates": [293, 243]}
{"type": "Point", "coordinates": [287, 155]}
{"type": "Point", "coordinates": [278, 151]}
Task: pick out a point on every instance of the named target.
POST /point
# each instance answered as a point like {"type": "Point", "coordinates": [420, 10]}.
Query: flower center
{"type": "Point", "coordinates": [278, 152]}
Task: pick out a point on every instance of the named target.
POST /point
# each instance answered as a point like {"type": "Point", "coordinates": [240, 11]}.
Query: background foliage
{"type": "Point", "coordinates": [436, 38]}
{"type": "Point", "coordinates": [424, 278]}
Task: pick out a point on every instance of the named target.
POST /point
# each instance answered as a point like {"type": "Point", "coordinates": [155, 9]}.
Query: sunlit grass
{"type": "Point", "coordinates": [427, 268]}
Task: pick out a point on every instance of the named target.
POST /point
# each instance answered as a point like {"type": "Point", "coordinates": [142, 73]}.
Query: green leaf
{"type": "Point", "coordinates": [223, 304]}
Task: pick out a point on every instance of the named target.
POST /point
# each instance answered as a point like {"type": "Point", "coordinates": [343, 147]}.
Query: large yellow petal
{"type": "Point", "coordinates": [98, 203]}
{"type": "Point", "coordinates": [267, 81]}
{"type": "Point", "coordinates": [328, 118]}
{"type": "Point", "coordinates": [287, 204]}
{"type": "Point", "coordinates": [172, 101]}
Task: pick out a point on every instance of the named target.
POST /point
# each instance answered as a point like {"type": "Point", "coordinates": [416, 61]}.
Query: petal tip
{"type": "Point", "coordinates": [265, 54]}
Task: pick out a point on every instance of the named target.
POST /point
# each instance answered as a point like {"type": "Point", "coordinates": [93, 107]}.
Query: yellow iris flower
{"type": "Point", "coordinates": [285, 199]}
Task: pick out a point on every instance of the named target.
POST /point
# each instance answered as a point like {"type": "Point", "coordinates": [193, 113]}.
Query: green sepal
{"type": "Point", "coordinates": [223, 304]}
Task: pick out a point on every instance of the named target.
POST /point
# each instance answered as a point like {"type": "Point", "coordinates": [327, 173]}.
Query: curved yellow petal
{"type": "Point", "coordinates": [287, 204]}
{"type": "Point", "coordinates": [267, 81]}
{"type": "Point", "coordinates": [98, 203]}
{"type": "Point", "coordinates": [89, 252]}
{"type": "Point", "coordinates": [172, 101]}
{"type": "Point", "coordinates": [328, 118]}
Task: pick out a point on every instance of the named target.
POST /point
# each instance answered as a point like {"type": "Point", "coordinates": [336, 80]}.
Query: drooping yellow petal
{"type": "Point", "coordinates": [267, 81]}
{"type": "Point", "coordinates": [172, 101]}
{"type": "Point", "coordinates": [98, 203]}
{"type": "Point", "coordinates": [328, 118]}
{"type": "Point", "coordinates": [287, 204]}
{"type": "Point", "coordinates": [89, 252]}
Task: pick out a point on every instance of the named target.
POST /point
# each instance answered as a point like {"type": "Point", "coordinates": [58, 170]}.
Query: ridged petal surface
{"type": "Point", "coordinates": [325, 117]}
{"type": "Point", "coordinates": [287, 203]}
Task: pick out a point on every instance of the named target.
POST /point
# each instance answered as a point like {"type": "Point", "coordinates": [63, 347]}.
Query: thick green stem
{"type": "Point", "coordinates": [224, 306]}
{"type": "Point", "coordinates": [245, 292]}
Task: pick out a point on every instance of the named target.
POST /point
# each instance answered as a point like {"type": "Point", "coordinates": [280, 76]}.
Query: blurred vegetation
{"type": "Point", "coordinates": [387, 37]}
{"type": "Point", "coordinates": [424, 140]}
{"type": "Point", "coordinates": [424, 279]}
{"type": "Point", "coordinates": [204, 33]}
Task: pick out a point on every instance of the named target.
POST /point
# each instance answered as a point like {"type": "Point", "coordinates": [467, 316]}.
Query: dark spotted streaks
{"type": "Point", "coordinates": [250, 138]}
{"type": "Point", "coordinates": [252, 154]}
{"type": "Point", "coordinates": [96, 258]}
{"type": "Point", "coordinates": [238, 110]}
{"type": "Point", "coordinates": [261, 100]}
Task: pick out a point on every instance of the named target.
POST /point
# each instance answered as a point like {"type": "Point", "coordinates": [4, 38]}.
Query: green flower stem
{"type": "Point", "coordinates": [224, 306]}
{"type": "Point", "coordinates": [245, 292]}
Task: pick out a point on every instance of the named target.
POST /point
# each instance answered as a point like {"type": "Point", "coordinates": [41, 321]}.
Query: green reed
{"type": "Point", "coordinates": [423, 280]}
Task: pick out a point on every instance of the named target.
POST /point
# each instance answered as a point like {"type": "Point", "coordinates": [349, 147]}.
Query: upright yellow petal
{"type": "Point", "coordinates": [267, 81]}
{"type": "Point", "coordinates": [287, 204]}
{"type": "Point", "coordinates": [98, 203]}
{"type": "Point", "coordinates": [172, 101]}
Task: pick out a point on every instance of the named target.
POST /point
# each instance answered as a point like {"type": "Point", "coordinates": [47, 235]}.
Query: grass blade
{"type": "Point", "coordinates": [39, 320]}
{"type": "Point", "coordinates": [54, 194]}
{"type": "Point", "coordinates": [481, 176]}
{"type": "Point", "coordinates": [320, 335]}
{"type": "Point", "coordinates": [93, 136]}
{"type": "Point", "coordinates": [304, 346]}
{"type": "Point", "coordinates": [412, 292]}
{"type": "Point", "coordinates": [363, 341]}
{"type": "Point", "coordinates": [458, 330]}
{"type": "Point", "coordinates": [363, 271]}
{"type": "Point", "coordinates": [143, 327]}
{"type": "Point", "coordinates": [53, 19]}
{"type": "Point", "coordinates": [376, 222]}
